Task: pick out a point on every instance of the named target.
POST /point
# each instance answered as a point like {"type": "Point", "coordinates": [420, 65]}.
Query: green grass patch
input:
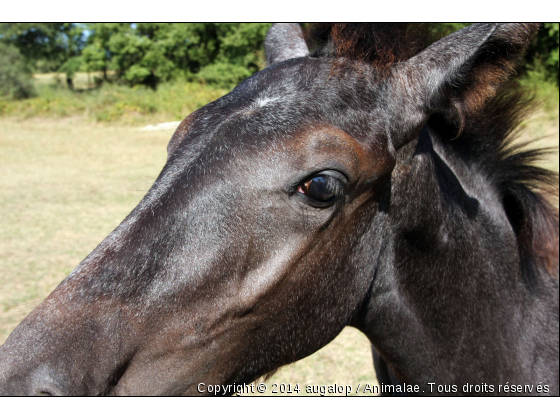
{"type": "Point", "coordinates": [112, 102]}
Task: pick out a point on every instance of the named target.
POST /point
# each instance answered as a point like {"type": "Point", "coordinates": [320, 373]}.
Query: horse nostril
{"type": "Point", "coordinates": [48, 391]}
{"type": "Point", "coordinates": [43, 393]}
{"type": "Point", "coordinates": [45, 383]}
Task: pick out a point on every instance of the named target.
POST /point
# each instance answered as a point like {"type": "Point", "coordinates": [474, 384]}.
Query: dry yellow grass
{"type": "Point", "coordinates": [542, 130]}
{"type": "Point", "coordinates": [64, 185]}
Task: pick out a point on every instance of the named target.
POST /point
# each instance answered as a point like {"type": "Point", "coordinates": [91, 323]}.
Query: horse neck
{"type": "Point", "coordinates": [448, 300]}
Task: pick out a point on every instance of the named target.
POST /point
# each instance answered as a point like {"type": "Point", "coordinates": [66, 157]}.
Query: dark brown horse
{"type": "Point", "coordinates": [370, 183]}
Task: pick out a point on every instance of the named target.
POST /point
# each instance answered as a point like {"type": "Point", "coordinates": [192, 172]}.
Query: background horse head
{"type": "Point", "coordinates": [365, 184]}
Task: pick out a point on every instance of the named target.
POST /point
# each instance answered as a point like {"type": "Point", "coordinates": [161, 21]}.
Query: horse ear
{"type": "Point", "coordinates": [284, 41]}
{"type": "Point", "coordinates": [456, 75]}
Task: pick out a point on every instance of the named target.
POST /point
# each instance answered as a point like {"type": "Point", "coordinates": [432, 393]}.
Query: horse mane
{"type": "Point", "coordinates": [488, 140]}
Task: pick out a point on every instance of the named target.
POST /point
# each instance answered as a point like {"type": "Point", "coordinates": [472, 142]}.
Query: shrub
{"type": "Point", "coordinates": [15, 78]}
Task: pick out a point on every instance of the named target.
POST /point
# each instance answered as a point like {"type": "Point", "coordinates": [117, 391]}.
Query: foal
{"type": "Point", "coordinates": [370, 183]}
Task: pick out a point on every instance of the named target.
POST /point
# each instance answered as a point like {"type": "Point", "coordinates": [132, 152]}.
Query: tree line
{"type": "Point", "coordinates": [151, 53]}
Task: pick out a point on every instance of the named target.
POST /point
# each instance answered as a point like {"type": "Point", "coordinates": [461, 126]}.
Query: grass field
{"type": "Point", "coordinates": [66, 182]}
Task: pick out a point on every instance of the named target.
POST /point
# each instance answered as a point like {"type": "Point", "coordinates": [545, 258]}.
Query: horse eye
{"type": "Point", "coordinates": [322, 189]}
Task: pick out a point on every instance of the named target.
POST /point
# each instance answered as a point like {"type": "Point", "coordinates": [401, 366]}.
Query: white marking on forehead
{"type": "Point", "coordinates": [261, 102]}
{"type": "Point", "coordinates": [258, 103]}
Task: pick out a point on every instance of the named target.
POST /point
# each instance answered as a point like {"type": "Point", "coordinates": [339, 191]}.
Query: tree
{"type": "Point", "coordinates": [148, 53]}
{"type": "Point", "coordinates": [543, 53]}
{"type": "Point", "coordinates": [240, 53]}
{"type": "Point", "coordinates": [46, 46]}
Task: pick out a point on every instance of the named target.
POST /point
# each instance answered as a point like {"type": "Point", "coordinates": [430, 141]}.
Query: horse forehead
{"type": "Point", "coordinates": [296, 81]}
{"type": "Point", "coordinates": [329, 142]}
{"type": "Point", "coordinates": [277, 105]}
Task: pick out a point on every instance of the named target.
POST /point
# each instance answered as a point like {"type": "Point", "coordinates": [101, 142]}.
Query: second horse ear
{"type": "Point", "coordinates": [284, 41]}
{"type": "Point", "coordinates": [458, 74]}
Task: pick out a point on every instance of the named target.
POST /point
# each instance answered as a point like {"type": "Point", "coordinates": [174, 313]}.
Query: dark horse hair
{"type": "Point", "coordinates": [487, 138]}
{"type": "Point", "coordinates": [380, 44]}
